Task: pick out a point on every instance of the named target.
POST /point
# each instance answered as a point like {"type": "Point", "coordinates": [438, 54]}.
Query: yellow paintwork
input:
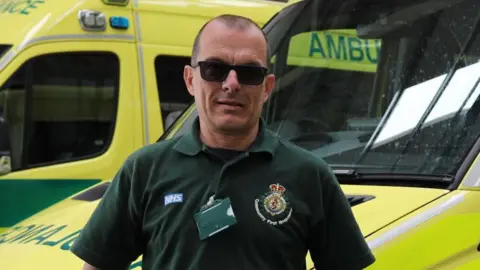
{"type": "Point", "coordinates": [54, 17]}
{"type": "Point", "coordinates": [165, 27]}
{"type": "Point", "coordinates": [447, 241]}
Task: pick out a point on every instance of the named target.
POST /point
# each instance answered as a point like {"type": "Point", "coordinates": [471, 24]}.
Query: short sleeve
{"type": "Point", "coordinates": [336, 241]}
{"type": "Point", "coordinates": [111, 239]}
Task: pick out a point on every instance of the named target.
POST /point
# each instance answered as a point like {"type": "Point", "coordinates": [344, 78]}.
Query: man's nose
{"type": "Point", "coordinates": [231, 82]}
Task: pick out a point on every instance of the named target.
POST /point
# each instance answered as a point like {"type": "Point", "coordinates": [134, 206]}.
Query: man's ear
{"type": "Point", "coordinates": [269, 85]}
{"type": "Point", "coordinates": [188, 78]}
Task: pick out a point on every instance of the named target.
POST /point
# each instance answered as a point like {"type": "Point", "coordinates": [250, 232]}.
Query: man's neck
{"type": "Point", "coordinates": [240, 142]}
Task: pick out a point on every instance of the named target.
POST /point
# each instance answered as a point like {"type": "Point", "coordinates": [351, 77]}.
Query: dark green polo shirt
{"type": "Point", "coordinates": [285, 199]}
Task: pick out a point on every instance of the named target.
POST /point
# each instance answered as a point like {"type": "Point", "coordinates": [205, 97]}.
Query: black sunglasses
{"type": "Point", "coordinates": [214, 71]}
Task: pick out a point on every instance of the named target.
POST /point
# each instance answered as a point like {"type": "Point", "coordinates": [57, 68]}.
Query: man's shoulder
{"type": "Point", "coordinates": [153, 152]}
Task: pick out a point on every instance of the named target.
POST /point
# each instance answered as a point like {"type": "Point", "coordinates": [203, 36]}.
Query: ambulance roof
{"type": "Point", "coordinates": [25, 22]}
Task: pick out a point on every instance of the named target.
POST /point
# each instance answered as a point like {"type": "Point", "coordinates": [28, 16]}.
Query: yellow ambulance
{"type": "Point", "coordinates": [85, 83]}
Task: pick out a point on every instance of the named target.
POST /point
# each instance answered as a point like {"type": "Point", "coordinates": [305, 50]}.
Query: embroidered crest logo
{"type": "Point", "coordinates": [274, 207]}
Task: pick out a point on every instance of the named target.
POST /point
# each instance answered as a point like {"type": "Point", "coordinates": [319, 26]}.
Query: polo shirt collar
{"type": "Point", "coordinates": [190, 143]}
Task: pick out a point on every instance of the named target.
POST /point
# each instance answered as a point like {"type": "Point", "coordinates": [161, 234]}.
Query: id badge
{"type": "Point", "coordinates": [215, 218]}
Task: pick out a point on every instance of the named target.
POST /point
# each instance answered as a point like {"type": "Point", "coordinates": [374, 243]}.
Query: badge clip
{"type": "Point", "coordinates": [210, 202]}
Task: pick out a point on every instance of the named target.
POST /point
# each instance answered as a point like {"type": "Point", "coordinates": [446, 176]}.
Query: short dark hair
{"type": "Point", "coordinates": [231, 21]}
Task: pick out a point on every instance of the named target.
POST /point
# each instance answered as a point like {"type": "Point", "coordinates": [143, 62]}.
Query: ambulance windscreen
{"type": "Point", "coordinates": [378, 86]}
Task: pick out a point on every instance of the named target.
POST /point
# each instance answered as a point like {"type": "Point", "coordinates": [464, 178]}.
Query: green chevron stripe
{"type": "Point", "coordinates": [20, 199]}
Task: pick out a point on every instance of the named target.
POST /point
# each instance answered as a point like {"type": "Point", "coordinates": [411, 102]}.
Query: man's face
{"type": "Point", "coordinates": [230, 105]}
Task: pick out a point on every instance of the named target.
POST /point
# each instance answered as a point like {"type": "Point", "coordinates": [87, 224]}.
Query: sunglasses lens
{"type": "Point", "coordinates": [218, 72]}
{"type": "Point", "coordinates": [250, 75]}
{"type": "Point", "coordinates": [214, 72]}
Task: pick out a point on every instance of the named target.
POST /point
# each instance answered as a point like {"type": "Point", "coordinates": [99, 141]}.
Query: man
{"type": "Point", "coordinates": [229, 194]}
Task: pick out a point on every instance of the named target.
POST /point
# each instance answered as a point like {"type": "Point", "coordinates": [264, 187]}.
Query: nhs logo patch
{"type": "Point", "coordinates": [173, 198]}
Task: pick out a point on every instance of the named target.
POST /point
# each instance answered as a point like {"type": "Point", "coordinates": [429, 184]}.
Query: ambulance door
{"type": "Point", "coordinates": [70, 115]}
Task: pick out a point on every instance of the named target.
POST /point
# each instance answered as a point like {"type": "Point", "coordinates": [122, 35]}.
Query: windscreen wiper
{"type": "Point", "coordinates": [454, 136]}
{"type": "Point", "coordinates": [399, 90]}
{"type": "Point", "coordinates": [351, 176]}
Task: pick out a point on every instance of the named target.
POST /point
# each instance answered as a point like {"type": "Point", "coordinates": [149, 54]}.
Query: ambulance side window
{"type": "Point", "coordinates": [60, 108]}
{"type": "Point", "coordinates": [172, 92]}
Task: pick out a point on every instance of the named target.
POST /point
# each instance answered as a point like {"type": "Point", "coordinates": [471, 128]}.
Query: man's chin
{"type": "Point", "coordinates": [232, 125]}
